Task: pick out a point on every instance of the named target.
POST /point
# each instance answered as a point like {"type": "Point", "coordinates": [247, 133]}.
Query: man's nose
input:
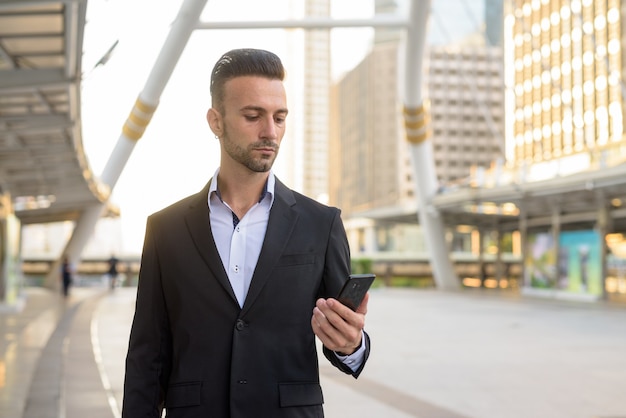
{"type": "Point", "coordinates": [270, 129]}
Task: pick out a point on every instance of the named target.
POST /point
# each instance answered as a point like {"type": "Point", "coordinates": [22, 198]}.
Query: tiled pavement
{"type": "Point", "coordinates": [434, 355]}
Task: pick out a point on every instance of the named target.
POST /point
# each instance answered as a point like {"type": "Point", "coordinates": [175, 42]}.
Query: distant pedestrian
{"type": "Point", "coordinates": [113, 272]}
{"type": "Point", "coordinates": [66, 275]}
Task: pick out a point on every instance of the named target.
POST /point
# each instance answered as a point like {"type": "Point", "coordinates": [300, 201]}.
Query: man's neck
{"type": "Point", "coordinates": [242, 191]}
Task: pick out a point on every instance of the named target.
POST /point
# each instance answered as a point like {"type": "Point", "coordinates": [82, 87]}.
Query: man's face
{"type": "Point", "coordinates": [252, 121]}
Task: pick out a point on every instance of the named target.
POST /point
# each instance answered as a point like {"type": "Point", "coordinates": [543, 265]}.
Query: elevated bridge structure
{"type": "Point", "coordinates": [43, 166]}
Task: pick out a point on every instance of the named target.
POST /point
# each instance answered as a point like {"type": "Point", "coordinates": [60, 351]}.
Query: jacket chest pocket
{"type": "Point", "coordinates": [296, 260]}
{"type": "Point", "coordinates": [183, 394]}
{"type": "Point", "coordinates": [300, 394]}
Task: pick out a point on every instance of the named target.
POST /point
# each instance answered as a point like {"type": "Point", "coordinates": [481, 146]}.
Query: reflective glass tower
{"type": "Point", "coordinates": [566, 80]}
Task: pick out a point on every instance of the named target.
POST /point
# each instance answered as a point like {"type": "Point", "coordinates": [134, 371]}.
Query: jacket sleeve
{"type": "Point", "coordinates": [334, 360]}
{"type": "Point", "coordinates": [336, 271]}
{"type": "Point", "coordinates": [149, 352]}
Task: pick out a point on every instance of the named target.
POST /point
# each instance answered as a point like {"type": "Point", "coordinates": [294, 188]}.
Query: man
{"type": "Point", "coordinates": [66, 276]}
{"type": "Point", "coordinates": [112, 271]}
{"type": "Point", "coordinates": [236, 281]}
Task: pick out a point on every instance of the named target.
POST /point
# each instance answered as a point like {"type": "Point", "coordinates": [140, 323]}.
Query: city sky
{"type": "Point", "coordinates": [178, 153]}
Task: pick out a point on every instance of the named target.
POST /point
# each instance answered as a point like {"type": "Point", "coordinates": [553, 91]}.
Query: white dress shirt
{"type": "Point", "coordinates": [239, 246]}
{"type": "Point", "coordinates": [239, 243]}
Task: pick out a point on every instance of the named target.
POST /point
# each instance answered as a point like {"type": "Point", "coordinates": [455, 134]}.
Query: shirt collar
{"type": "Point", "coordinates": [268, 190]}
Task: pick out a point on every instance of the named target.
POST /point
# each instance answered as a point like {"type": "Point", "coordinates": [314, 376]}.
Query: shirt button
{"type": "Point", "coordinates": [236, 268]}
{"type": "Point", "coordinates": [240, 325]}
{"type": "Point", "coordinates": [238, 229]}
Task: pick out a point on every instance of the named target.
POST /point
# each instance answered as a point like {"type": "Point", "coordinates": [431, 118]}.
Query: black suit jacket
{"type": "Point", "coordinates": [195, 350]}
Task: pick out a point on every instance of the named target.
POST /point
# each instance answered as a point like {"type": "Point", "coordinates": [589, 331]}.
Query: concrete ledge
{"type": "Point", "coordinates": [560, 295]}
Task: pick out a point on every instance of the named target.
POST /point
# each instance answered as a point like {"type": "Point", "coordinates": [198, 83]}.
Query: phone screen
{"type": "Point", "coordinates": [354, 290]}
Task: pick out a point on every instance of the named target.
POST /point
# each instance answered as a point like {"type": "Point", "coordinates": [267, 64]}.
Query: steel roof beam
{"type": "Point", "coordinates": [44, 129]}
{"type": "Point", "coordinates": [74, 21]}
{"type": "Point", "coordinates": [43, 35]}
{"type": "Point", "coordinates": [379, 21]}
{"type": "Point", "coordinates": [13, 4]}
{"type": "Point", "coordinates": [16, 80]}
{"type": "Point", "coordinates": [29, 121]}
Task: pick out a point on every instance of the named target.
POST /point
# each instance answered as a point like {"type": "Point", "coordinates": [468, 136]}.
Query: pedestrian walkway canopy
{"type": "Point", "coordinates": [43, 165]}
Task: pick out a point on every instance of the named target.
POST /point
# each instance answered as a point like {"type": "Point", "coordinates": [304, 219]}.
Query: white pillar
{"type": "Point", "coordinates": [418, 134]}
{"type": "Point", "coordinates": [134, 127]}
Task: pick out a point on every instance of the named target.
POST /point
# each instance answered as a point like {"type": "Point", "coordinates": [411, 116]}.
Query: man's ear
{"type": "Point", "coordinates": [215, 121]}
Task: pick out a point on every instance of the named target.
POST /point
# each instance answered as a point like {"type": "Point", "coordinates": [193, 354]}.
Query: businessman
{"type": "Point", "coordinates": [237, 280]}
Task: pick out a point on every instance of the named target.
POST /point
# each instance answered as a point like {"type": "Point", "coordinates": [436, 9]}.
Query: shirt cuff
{"type": "Point", "coordinates": [354, 360]}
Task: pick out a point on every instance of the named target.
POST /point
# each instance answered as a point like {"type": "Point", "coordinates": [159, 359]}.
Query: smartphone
{"type": "Point", "coordinates": [354, 289]}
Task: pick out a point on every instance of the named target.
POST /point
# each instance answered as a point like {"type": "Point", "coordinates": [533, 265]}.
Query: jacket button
{"type": "Point", "coordinates": [243, 382]}
{"type": "Point", "coordinates": [240, 325]}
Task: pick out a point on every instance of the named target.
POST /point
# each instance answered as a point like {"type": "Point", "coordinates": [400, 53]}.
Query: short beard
{"type": "Point", "coordinates": [244, 156]}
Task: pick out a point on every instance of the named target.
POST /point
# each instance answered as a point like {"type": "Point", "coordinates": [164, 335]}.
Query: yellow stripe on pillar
{"type": "Point", "coordinates": [417, 123]}
{"type": "Point", "coordinates": [138, 120]}
{"type": "Point", "coordinates": [144, 107]}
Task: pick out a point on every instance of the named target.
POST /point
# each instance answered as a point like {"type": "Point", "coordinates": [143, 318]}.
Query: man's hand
{"type": "Point", "coordinates": [337, 326]}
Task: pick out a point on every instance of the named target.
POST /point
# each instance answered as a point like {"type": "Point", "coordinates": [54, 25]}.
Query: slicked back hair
{"type": "Point", "coordinates": [243, 62]}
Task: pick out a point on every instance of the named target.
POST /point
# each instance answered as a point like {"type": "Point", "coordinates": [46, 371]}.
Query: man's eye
{"type": "Point", "coordinates": [251, 117]}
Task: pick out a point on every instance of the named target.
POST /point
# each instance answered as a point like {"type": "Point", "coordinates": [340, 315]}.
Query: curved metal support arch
{"type": "Point", "coordinates": [135, 125]}
{"type": "Point", "coordinates": [418, 134]}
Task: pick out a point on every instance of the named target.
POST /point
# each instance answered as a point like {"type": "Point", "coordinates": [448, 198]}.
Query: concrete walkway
{"type": "Point", "coordinates": [434, 355]}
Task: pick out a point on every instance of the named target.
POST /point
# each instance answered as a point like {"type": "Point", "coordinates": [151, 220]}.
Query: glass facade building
{"type": "Point", "coordinates": [565, 73]}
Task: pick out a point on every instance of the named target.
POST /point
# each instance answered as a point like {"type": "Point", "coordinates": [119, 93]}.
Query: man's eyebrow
{"type": "Point", "coordinates": [262, 109]}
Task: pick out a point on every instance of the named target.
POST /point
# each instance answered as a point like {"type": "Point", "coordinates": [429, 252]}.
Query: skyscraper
{"type": "Point", "coordinates": [316, 97]}
{"type": "Point", "coordinates": [373, 176]}
{"type": "Point", "coordinates": [566, 77]}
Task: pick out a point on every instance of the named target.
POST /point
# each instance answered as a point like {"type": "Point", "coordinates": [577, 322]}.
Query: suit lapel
{"type": "Point", "coordinates": [199, 226]}
{"type": "Point", "coordinates": [279, 228]}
